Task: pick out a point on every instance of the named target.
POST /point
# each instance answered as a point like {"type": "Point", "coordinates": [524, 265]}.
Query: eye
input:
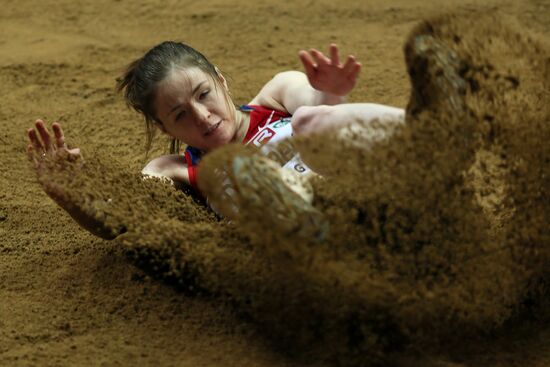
{"type": "Point", "coordinates": [204, 94]}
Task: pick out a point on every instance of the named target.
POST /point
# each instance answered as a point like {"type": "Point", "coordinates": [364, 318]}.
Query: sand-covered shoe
{"type": "Point", "coordinates": [261, 196]}
{"type": "Point", "coordinates": [434, 70]}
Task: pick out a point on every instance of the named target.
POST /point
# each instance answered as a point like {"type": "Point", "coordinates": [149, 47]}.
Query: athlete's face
{"type": "Point", "coordinates": [192, 108]}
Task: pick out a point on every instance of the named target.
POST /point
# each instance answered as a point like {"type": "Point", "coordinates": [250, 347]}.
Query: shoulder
{"type": "Point", "coordinates": [272, 94]}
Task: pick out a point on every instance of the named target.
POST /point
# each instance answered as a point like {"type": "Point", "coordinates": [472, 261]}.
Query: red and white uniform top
{"type": "Point", "coordinates": [269, 130]}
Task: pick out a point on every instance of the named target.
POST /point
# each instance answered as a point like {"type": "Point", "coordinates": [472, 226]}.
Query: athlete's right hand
{"type": "Point", "coordinates": [42, 146]}
{"type": "Point", "coordinates": [44, 149]}
{"type": "Point", "coordinates": [52, 159]}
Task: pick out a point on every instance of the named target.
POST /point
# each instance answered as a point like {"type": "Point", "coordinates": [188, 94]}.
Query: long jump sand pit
{"type": "Point", "coordinates": [439, 257]}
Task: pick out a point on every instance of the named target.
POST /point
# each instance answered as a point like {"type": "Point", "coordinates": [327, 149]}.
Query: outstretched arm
{"type": "Point", "coordinates": [326, 82]}
{"type": "Point", "coordinates": [50, 155]}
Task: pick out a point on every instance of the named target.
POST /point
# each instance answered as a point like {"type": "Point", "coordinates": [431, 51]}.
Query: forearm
{"type": "Point", "coordinates": [314, 120]}
{"type": "Point", "coordinates": [303, 94]}
{"type": "Point", "coordinates": [365, 113]}
{"type": "Point", "coordinates": [93, 224]}
{"type": "Point", "coordinates": [92, 217]}
{"type": "Point", "coordinates": [291, 89]}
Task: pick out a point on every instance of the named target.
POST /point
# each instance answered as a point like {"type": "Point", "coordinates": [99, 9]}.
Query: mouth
{"type": "Point", "coordinates": [212, 128]}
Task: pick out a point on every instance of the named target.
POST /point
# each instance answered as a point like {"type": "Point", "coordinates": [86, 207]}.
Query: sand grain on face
{"type": "Point", "coordinates": [436, 236]}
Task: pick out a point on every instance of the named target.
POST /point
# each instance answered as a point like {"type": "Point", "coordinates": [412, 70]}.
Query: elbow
{"type": "Point", "coordinates": [308, 120]}
{"type": "Point", "coordinates": [151, 169]}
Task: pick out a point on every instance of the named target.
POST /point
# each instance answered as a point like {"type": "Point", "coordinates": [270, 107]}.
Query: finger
{"type": "Point", "coordinates": [334, 57]}
{"type": "Point", "coordinates": [59, 136]}
{"type": "Point", "coordinates": [349, 66]}
{"type": "Point", "coordinates": [319, 58]}
{"type": "Point", "coordinates": [44, 135]}
{"type": "Point", "coordinates": [31, 154]}
{"type": "Point", "coordinates": [33, 137]}
{"type": "Point", "coordinates": [354, 72]}
{"type": "Point", "coordinates": [307, 61]}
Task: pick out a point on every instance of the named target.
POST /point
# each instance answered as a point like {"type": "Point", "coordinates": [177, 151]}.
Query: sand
{"type": "Point", "coordinates": [70, 298]}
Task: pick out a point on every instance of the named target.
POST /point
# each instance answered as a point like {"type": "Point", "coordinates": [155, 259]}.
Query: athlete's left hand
{"type": "Point", "coordinates": [328, 74]}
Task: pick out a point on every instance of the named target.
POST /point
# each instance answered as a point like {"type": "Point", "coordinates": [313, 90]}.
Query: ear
{"type": "Point", "coordinates": [221, 78]}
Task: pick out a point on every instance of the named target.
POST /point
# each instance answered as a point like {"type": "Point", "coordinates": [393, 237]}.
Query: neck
{"type": "Point", "coordinates": [242, 120]}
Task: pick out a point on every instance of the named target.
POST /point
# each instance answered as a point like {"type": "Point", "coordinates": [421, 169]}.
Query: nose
{"type": "Point", "coordinates": [202, 113]}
